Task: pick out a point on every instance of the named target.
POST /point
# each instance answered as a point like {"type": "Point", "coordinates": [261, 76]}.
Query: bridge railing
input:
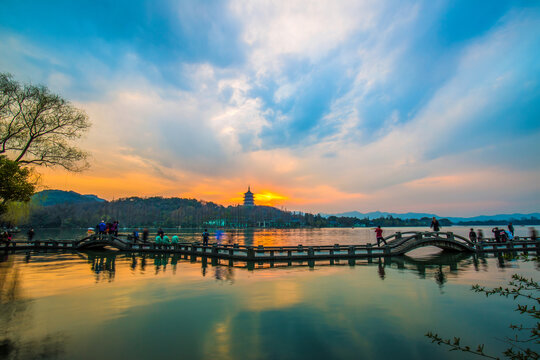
{"type": "Point", "coordinates": [265, 252]}
{"type": "Point", "coordinates": [398, 245]}
{"type": "Point", "coordinates": [414, 237]}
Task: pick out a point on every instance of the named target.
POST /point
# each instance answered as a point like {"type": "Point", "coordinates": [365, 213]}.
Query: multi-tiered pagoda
{"type": "Point", "coordinates": [248, 198]}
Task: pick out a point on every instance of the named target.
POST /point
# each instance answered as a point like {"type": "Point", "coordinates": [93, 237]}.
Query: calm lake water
{"type": "Point", "coordinates": [109, 305]}
{"type": "Point", "coordinates": [276, 237]}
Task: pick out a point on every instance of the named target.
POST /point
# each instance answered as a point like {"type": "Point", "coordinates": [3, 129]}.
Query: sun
{"type": "Point", "coordinates": [268, 198]}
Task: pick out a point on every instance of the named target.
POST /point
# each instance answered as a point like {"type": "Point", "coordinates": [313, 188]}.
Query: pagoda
{"type": "Point", "coordinates": [248, 198]}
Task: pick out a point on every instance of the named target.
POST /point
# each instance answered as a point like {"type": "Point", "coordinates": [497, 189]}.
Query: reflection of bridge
{"type": "Point", "coordinates": [397, 244]}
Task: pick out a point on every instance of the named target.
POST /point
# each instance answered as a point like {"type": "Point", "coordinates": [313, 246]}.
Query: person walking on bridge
{"type": "Point", "coordinates": [114, 228]}
{"type": "Point", "coordinates": [472, 235]}
{"type": "Point", "coordinates": [511, 228]}
{"type": "Point", "coordinates": [145, 235]}
{"type": "Point", "coordinates": [378, 233]}
{"type": "Point", "coordinates": [30, 234]}
{"type": "Point", "coordinates": [102, 227]}
{"type": "Point", "coordinates": [496, 232]}
{"type": "Point", "coordinates": [165, 240]}
{"type": "Point", "coordinates": [533, 234]}
{"type": "Point", "coordinates": [480, 236]}
{"type": "Point", "coordinates": [135, 236]}
{"type": "Point", "coordinates": [435, 224]}
{"type": "Point", "coordinates": [205, 236]}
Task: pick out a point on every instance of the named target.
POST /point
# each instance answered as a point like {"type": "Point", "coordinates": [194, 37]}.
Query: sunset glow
{"type": "Point", "coordinates": [268, 198]}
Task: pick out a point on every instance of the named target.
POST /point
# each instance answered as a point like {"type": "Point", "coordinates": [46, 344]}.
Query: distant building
{"type": "Point", "coordinates": [248, 198]}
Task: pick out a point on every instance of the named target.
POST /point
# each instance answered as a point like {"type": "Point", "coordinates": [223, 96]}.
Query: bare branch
{"type": "Point", "coordinates": [37, 127]}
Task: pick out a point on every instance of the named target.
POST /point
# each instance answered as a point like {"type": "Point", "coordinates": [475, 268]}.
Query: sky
{"type": "Point", "coordinates": [319, 106]}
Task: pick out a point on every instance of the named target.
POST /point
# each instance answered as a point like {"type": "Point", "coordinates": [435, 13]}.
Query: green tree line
{"type": "Point", "coordinates": [191, 213]}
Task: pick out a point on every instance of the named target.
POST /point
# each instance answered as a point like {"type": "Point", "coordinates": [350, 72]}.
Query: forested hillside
{"type": "Point", "coordinates": [54, 197]}
{"type": "Point", "coordinates": [158, 211]}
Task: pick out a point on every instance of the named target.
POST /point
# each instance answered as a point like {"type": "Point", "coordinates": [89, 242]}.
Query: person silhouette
{"type": "Point", "coordinates": [435, 224]}
{"type": "Point", "coordinates": [378, 233]}
{"type": "Point", "coordinates": [205, 236]}
{"type": "Point", "coordinates": [472, 235]}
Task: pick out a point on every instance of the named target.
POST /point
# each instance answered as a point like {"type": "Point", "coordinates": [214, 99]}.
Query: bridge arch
{"type": "Point", "coordinates": [444, 241]}
{"type": "Point", "coordinates": [100, 242]}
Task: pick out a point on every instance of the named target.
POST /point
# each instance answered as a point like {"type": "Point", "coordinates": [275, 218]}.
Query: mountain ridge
{"type": "Point", "coordinates": [55, 197]}
{"type": "Point", "coordinates": [413, 215]}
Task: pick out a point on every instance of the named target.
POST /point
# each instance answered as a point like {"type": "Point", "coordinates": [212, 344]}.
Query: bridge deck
{"type": "Point", "coordinates": [397, 244]}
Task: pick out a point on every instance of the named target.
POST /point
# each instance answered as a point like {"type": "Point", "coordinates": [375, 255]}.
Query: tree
{"type": "Point", "coordinates": [15, 183]}
{"type": "Point", "coordinates": [38, 127]}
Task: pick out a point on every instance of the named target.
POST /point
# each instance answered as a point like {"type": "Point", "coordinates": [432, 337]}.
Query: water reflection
{"type": "Point", "coordinates": [438, 266]}
{"type": "Point", "coordinates": [103, 264]}
{"type": "Point", "coordinates": [382, 273]}
{"type": "Point", "coordinates": [16, 318]}
{"type": "Point", "coordinates": [201, 308]}
{"type": "Point", "coordinates": [269, 236]}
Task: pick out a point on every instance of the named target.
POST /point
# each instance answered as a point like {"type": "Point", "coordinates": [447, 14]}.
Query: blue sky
{"type": "Point", "coordinates": [334, 105]}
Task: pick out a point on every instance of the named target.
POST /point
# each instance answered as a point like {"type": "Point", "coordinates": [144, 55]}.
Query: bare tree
{"type": "Point", "coordinates": [38, 127]}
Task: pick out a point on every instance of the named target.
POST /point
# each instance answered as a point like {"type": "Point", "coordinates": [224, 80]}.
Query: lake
{"type": "Point", "coordinates": [276, 237]}
{"type": "Point", "coordinates": [65, 305]}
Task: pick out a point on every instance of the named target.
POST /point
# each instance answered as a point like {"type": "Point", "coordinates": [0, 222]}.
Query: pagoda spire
{"type": "Point", "coordinates": [248, 198]}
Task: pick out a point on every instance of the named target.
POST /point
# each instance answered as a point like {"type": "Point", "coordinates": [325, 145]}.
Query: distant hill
{"type": "Point", "coordinates": [378, 214]}
{"type": "Point", "coordinates": [55, 197]}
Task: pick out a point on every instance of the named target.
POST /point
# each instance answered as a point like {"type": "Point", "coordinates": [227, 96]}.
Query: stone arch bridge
{"type": "Point", "coordinates": [398, 244]}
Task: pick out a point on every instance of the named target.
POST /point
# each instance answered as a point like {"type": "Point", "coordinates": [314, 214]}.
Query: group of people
{"type": "Point", "coordinates": [107, 227]}
{"type": "Point", "coordinates": [380, 239]}
{"type": "Point", "coordinates": [135, 236]}
{"type": "Point", "coordinates": [476, 236]}
{"type": "Point", "coordinates": [162, 239]}
{"type": "Point", "coordinates": [6, 237]}
{"type": "Point", "coordinates": [500, 235]}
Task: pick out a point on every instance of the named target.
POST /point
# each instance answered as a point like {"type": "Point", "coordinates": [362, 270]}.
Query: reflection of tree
{"type": "Point", "coordinates": [15, 318]}
{"type": "Point", "coordinates": [11, 300]}
{"type": "Point", "coordinates": [49, 347]}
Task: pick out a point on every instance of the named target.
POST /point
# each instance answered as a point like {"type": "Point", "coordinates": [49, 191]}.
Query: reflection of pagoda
{"type": "Point", "coordinates": [248, 198]}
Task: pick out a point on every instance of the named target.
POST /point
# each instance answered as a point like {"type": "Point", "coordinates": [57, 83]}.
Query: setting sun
{"type": "Point", "coordinates": [268, 198]}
